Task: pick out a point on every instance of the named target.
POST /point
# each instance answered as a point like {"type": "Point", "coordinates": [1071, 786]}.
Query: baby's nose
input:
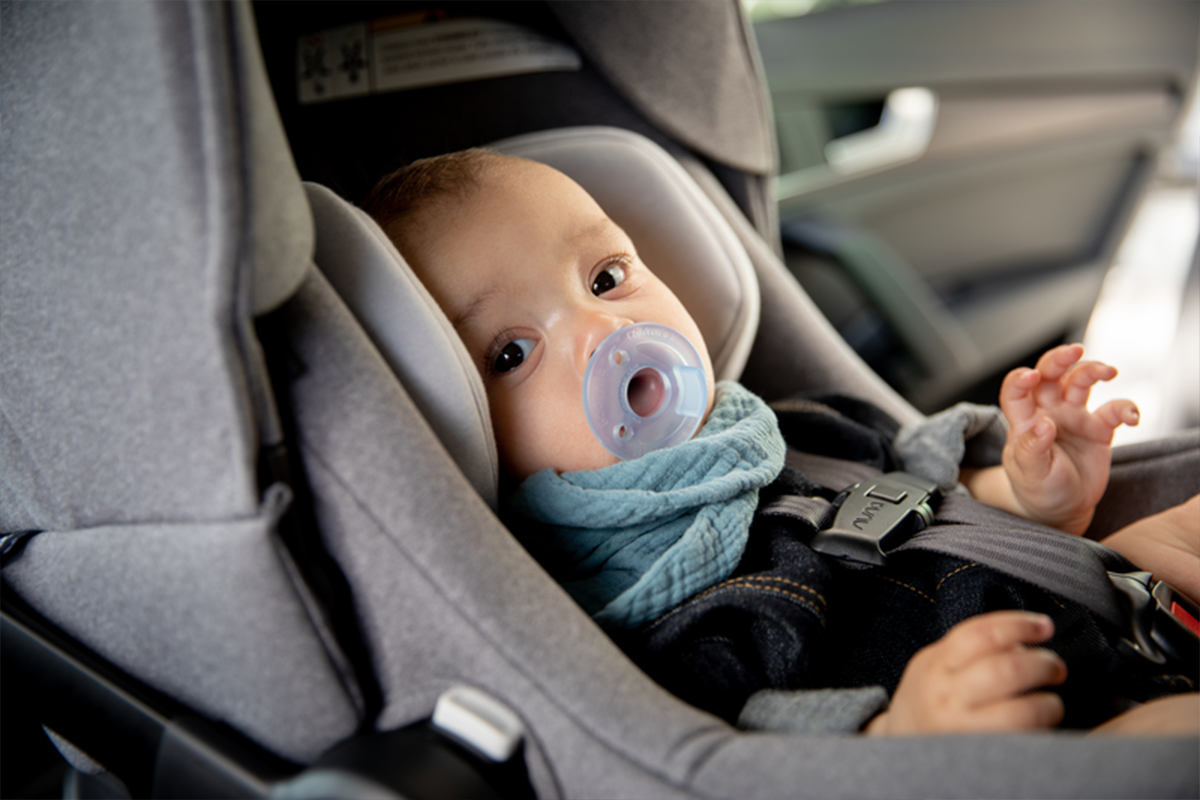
{"type": "Point", "coordinates": [596, 329]}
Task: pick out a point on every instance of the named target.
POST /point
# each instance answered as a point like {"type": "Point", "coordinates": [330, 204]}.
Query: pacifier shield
{"type": "Point", "coordinates": [644, 389]}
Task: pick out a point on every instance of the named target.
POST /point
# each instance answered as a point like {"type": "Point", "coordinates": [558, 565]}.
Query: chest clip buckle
{"type": "Point", "coordinates": [876, 516]}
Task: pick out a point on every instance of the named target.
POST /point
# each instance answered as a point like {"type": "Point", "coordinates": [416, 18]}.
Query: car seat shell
{"type": "Point", "coordinates": [167, 509]}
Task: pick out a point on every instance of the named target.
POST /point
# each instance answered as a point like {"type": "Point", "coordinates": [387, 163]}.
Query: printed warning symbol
{"type": "Point", "coordinates": [333, 64]}
{"type": "Point", "coordinates": [394, 54]}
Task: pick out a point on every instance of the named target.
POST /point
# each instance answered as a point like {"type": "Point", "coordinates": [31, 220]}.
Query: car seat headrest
{"type": "Point", "coordinates": [677, 230]}
{"type": "Point", "coordinates": [410, 331]}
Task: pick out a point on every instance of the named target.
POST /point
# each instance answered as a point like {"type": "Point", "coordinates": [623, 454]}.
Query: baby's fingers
{"type": "Point", "coordinates": [1017, 400]}
{"type": "Point", "coordinates": [1037, 711]}
{"type": "Point", "coordinates": [1003, 676]}
{"type": "Point", "coordinates": [1032, 450]}
{"type": "Point", "coordinates": [1077, 385]}
{"type": "Point", "coordinates": [1115, 413]}
{"type": "Point", "coordinates": [988, 634]}
{"type": "Point", "coordinates": [1055, 362]}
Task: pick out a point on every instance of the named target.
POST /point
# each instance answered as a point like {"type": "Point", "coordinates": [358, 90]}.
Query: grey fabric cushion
{"type": "Point", "coordinates": [796, 349]}
{"type": "Point", "coordinates": [447, 596]}
{"type": "Point", "coordinates": [1146, 478]}
{"type": "Point", "coordinates": [122, 216]}
{"type": "Point", "coordinates": [283, 234]}
{"type": "Point", "coordinates": [692, 68]}
{"type": "Point", "coordinates": [143, 181]}
{"type": "Point", "coordinates": [408, 328]}
{"type": "Point", "coordinates": [202, 611]}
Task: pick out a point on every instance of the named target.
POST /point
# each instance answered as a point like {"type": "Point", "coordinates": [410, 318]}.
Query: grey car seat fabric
{"type": "Point", "coordinates": [448, 597]}
{"type": "Point", "coordinates": [133, 407]}
{"type": "Point", "coordinates": [525, 645]}
{"type": "Point", "coordinates": [407, 327]}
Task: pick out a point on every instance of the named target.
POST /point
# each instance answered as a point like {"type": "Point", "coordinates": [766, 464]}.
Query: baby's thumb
{"type": "Point", "coordinates": [1032, 449]}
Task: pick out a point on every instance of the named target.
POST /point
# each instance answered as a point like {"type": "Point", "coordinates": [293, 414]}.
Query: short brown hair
{"type": "Point", "coordinates": [398, 199]}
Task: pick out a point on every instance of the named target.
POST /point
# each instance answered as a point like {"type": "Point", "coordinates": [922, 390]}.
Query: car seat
{"type": "Point", "coordinates": [164, 334]}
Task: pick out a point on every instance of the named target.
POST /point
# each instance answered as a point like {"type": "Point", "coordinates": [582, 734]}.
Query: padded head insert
{"type": "Point", "coordinates": [677, 232]}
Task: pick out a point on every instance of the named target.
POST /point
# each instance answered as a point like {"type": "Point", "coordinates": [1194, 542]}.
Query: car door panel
{"type": "Point", "coordinates": [1046, 121]}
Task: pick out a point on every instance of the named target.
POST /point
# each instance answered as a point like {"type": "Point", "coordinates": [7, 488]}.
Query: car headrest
{"type": "Point", "coordinates": [410, 331]}
{"type": "Point", "coordinates": [677, 230]}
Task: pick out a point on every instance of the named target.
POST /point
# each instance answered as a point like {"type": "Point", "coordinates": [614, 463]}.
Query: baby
{"type": "Point", "coordinates": [534, 276]}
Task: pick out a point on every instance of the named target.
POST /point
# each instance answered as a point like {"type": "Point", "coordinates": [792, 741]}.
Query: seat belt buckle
{"type": "Point", "coordinates": [876, 516]}
{"type": "Point", "coordinates": [1164, 625]}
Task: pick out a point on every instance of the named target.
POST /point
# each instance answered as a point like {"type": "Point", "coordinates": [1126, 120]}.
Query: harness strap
{"type": "Point", "coordinates": [1066, 565]}
{"type": "Point", "coordinates": [1069, 566]}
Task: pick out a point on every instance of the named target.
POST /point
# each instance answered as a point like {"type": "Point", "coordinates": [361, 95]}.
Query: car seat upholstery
{"type": "Point", "coordinates": [137, 216]}
{"type": "Point", "coordinates": [134, 403]}
{"type": "Point", "coordinates": [570, 673]}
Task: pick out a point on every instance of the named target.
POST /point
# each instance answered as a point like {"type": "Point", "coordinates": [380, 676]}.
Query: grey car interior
{"type": "Point", "coordinates": [948, 169]}
{"type": "Point", "coordinates": [247, 478]}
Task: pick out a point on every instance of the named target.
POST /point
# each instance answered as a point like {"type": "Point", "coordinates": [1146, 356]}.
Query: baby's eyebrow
{"type": "Point", "coordinates": [600, 227]}
{"type": "Point", "coordinates": [474, 308]}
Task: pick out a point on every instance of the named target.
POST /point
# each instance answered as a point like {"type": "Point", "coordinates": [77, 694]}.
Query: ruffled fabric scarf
{"type": "Point", "coordinates": [633, 540]}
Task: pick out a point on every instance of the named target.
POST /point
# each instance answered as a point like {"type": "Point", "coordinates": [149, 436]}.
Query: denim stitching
{"type": "Point", "coordinates": [950, 575]}
{"type": "Point", "coordinates": [906, 586]}
{"type": "Point", "coordinates": [1055, 599]}
{"type": "Point", "coordinates": [790, 595]}
{"type": "Point", "coordinates": [771, 579]}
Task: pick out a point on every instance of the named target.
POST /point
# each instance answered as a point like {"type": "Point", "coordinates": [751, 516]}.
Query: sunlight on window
{"type": "Point", "coordinates": [1134, 324]}
{"type": "Point", "coordinates": [766, 10]}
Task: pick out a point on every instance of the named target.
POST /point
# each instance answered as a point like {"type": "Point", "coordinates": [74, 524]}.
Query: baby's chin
{"type": "Point", "coordinates": [592, 457]}
{"type": "Point", "coordinates": [595, 461]}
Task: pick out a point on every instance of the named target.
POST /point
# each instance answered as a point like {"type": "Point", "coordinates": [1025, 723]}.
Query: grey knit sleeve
{"type": "Point", "coordinates": [812, 710]}
{"type": "Point", "coordinates": [963, 435]}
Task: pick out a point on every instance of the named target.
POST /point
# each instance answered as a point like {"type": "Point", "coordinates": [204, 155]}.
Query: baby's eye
{"type": "Point", "coordinates": [513, 354]}
{"type": "Point", "coordinates": [609, 278]}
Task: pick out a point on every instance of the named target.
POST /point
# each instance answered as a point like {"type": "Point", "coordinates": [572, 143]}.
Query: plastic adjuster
{"type": "Point", "coordinates": [1163, 624]}
{"type": "Point", "coordinates": [479, 721]}
{"type": "Point", "coordinates": [876, 516]}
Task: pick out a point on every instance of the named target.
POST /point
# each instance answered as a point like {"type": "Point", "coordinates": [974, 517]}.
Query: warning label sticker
{"type": "Point", "coordinates": [385, 56]}
{"type": "Point", "coordinates": [333, 64]}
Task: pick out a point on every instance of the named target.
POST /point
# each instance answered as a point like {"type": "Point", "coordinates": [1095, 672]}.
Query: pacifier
{"type": "Point", "coordinates": [644, 389]}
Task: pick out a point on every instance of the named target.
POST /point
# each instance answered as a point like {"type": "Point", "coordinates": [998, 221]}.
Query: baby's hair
{"type": "Point", "coordinates": [398, 199]}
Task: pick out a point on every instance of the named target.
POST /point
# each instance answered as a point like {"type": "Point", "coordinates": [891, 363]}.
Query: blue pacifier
{"type": "Point", "coordinates": [644, 389]}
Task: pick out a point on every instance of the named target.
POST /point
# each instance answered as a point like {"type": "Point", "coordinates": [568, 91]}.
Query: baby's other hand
{"type": "Point", "coordinates": [977, 678]}
{"type": "Point", "coordinates": [1058, 453]}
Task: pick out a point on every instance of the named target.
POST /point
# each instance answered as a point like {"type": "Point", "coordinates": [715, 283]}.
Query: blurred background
{"type": "Point", "coordinates": [966, 184]}
{"type": "Point", "coordinates": [1147, 319]}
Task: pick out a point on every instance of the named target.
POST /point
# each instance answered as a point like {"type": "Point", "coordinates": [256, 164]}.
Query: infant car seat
{"type": "Point", "coordinates": [164, 335]}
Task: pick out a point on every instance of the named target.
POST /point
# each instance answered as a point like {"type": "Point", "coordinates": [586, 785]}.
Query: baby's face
{"type": "Point", "coordinates": [534, 276]}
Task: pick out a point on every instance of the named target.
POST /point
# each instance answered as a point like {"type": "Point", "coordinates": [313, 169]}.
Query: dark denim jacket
{"type": "Point", "coordinates": [789, 618]}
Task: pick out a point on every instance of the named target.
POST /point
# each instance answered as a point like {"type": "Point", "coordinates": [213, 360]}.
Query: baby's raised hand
{"type": "Point", "coordinates": [1058, 453]}
{"type": "Point", "coordinates": [977, 678]}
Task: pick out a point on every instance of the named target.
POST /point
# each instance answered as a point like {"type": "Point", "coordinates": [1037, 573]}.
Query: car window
{"type": "Point", "coordinates": [764, 10]}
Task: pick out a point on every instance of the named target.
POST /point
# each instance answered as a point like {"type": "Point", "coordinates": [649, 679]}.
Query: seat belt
{"type": "Point", "coordinates": [880, 516]}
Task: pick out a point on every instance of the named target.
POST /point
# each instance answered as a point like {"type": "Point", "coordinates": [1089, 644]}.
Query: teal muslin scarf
{"type": "Point", "coordinates": [635, 539]}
